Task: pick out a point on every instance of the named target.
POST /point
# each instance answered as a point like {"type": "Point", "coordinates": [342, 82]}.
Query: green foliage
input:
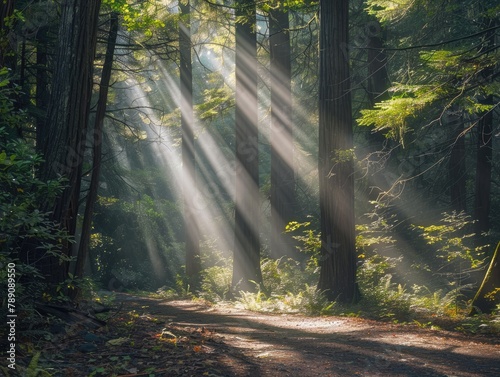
{"type": "Point", "coordinates": [381, 297]}
{"type": "Point", "coordinates": [371, 235]}
{"type": "Point", "coordinates": [308, 301]}
{"type": "Point", "coordinates": [22, 194]}
{"type": "Point", "coordinates": [380, 278]}
{"type": "Point", "coordinates": [9, 117]}
{"type": "Point", "coordinates": [310, 242]}
{"type": "Point", "coordinates": [434, 80]}
{"type": "Point", "coordinates": [215, 101]}
{"type": "Point", "coordinates": [392, 115]}
{"type": "Point", "coordinates": [450, 237]}
{"type": "Point", "coordinates": [24, 226]}
{"type": "Point", "coordinates": [288, 5]}
{"type": "Point", "coordinates": [216, 283]}
{"type": "Point", "coordinates": [438, 302]}
{"type": "Point", "coordinates": [388, 10]}
{"type": "Point", "coordinates": [343, 155]}
{"type": "Point", "coordinates": [142, 15]}
{"type": "Point", "coordinates": [291, 285]}
{"type": "Point", "coordinates": [33, 370]}
{"type": "Point", "coordinates": [286, 275]}
{"type": "Point", "coordinates": [481, 324]}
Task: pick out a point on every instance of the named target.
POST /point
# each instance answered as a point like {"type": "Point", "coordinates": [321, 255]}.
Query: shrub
{"type": "Point", "coordinates": [216, 283]}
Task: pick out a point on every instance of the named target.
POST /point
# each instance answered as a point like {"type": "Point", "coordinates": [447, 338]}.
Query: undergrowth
{"type": "Point", "coordinates": [290, 286]}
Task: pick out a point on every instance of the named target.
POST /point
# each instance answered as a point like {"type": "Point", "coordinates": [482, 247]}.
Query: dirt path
{"type": "Point", "coordinates": [253, 344]}
{"type": "Point", "coordinates": [156, 338]}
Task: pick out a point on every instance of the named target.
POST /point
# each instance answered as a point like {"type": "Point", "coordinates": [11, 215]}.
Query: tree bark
{"type": "Point", "coordinates": [336, 170]}
{"type": "Point", "coordinates": [282, 147]}
{"type": "Point", "coordinates": [246, 262]}
{"type": "Point", "coordinates": [68, 113]}
{"type": "Point", "coordinates": [83, 249]}
{"type": "Point", "coordinates": [191, 227]}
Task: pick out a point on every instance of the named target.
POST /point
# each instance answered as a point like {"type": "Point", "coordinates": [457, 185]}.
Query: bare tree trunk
{"type": "Point", "coordinates": [246, 262]}
{"type": "Point", "coordinates": [336, 169]}
{"type": "Point", "coordinates": [83, 249]}
{"type": "Point", "coordinates": [191, 228]}
{"type": "Point", "coordinates": [282, 147]}
{"type": "Point", "coordinates": [482, 202]}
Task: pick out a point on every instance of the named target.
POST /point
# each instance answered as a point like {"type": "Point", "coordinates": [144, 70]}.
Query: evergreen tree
{"type": "Point", "coordinates": [246, 261]}
{"type": "Point", "coordinates": [335, 162]}
{"type": "Point", "coordinates": [191, 231]}
{"type": "Point", "coordinates": [68, 114]}
{"type": "Point", "coordinates": [282, 143]}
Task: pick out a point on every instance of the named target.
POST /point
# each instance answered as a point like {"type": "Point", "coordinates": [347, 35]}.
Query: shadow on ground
{"type": "Point", "coordinates": [254, 344]}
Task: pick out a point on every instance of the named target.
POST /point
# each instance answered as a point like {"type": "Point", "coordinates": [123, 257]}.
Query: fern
{"type": "Point", "coordinates": [33, 370]}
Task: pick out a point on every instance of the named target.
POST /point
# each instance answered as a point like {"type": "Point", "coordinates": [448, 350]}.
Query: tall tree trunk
{"type": "Point", "coordinates": [482, 198]}
{"type": "Point", "coordinates": [378, 78]}
{"type": "Point", "coordinates": [336, 170]}
{"type": "Point", "coordinates": [456, 166]}
{"type": "Point", "coordinates": [282, 147]}
{"type": "Point", "coordinates": [42, 85]}
{"type": "Point", "coordinates": [378, 83]}
{"type": "Point", "coordinates": [63, 144]}
{"type": "Point", "coordinates": [246, 267]}
{"type": "Point", "coordinates": [482, 202]}
{"type": "Point", "coordinates": [83, 249]}
{"type": "Point", "coordinates": [191, 230]}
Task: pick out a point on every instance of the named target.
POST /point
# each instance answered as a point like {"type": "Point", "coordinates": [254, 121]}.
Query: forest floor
{"type": "Point", "coordinates": [159, 338]}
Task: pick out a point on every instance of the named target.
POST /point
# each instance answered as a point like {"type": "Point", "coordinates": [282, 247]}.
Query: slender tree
{"type": "Point", "coordinates": [378, 83]}
{"type": "Point", "coordinates": [282, 144]}
{"type": "Point", "coordinates": [246, 267]}
{"type": "Point", "coordinates": [191, 231]}
{"type": "Point", "coordinates": [336, 170]}
{"type": "Point", "coordinates": [83, 247]}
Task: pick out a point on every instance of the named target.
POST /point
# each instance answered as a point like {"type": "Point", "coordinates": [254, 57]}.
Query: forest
{"type": "Point", "coordinates": [318, 159]}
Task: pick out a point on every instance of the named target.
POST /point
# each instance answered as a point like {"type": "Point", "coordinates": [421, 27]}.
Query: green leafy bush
{"type": "Point", "coordinates": [307, 300]}
{"type": "Point", "coordinates": [216, 283]}
{"type": "Point", "coordinates": [285, 275]}
{"type": "Point", "coordinates": [27, 235]}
